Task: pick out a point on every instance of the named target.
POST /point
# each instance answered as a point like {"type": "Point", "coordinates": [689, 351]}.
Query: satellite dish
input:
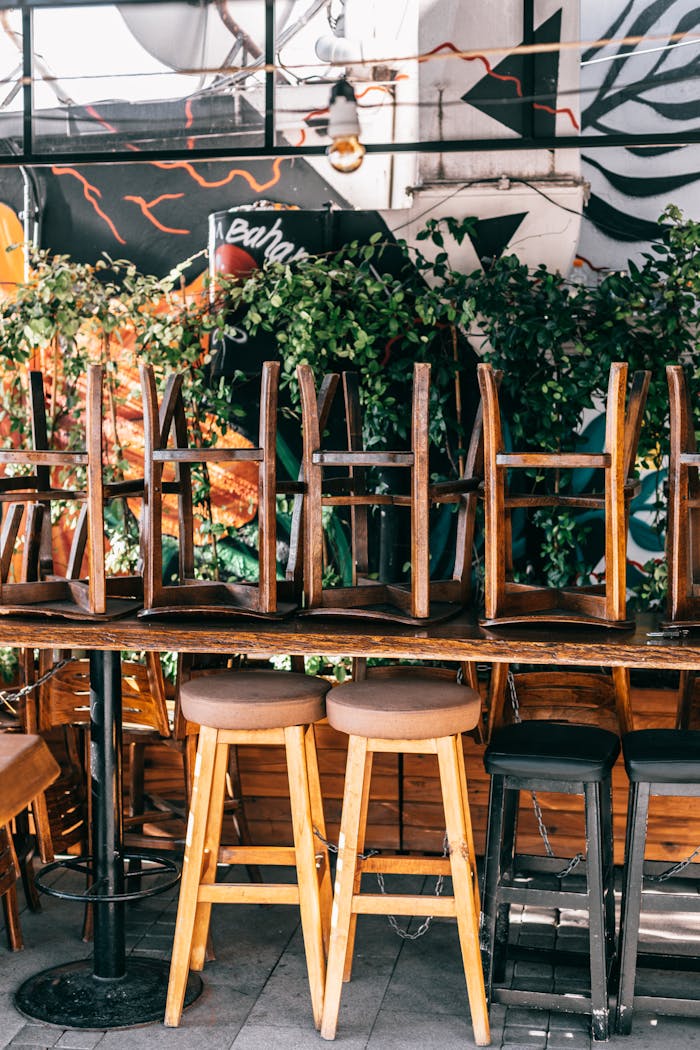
{"type": "Point", "coordinates": [180, 35]}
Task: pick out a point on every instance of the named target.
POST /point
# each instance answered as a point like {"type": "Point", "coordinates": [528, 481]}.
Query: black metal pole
{"type": "Point", "coordinates": [106, 788]}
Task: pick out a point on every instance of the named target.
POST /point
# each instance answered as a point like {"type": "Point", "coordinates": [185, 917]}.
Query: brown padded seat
{"type": "Point", "coordinates": [254, 699]}
{"type": "Point", "coordinates": [407, 708]}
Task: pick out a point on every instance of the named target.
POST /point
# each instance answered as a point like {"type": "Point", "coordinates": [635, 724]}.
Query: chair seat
{"type": "Point", "coordinates": [552, 750]}
{"type": "Point", "coordinates": [27, 767]}
{"type": "Point", "coordinates": [254, 699]}
{"type": "Point", "coordinates": [663, 756]}
{"type": "Point", "coordinates": [405, 708]}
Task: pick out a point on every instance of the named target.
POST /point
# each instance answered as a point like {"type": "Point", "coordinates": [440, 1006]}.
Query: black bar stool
{"type": "Point", "coordinates": [570, 759]}
{"type": "Point", "coordinates": [658, 762]}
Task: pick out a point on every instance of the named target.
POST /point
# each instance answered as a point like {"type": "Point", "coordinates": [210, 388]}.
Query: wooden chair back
{"type": "Point", "coordinates": [340, 478]}
{"type": "Point", "coordinates": [683, 525]}
{"type": "Point", "coordinates": [30, 498]}
{"type": "Point", "coordinates": [507, 601]}
{"type": "Point", "coordinates": [166, 441]}
{"type": "Point", "coordinates": [65, 697]}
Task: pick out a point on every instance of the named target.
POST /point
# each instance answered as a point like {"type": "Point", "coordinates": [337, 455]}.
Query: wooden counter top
{"type": "Point", "coordinates": [457, 639]}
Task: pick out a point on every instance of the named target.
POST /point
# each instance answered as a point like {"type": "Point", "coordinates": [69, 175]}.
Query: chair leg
{"type": "Point", "coordinates": [494, 833]}
{"type": "Point", "coordinates": [686, 692]}
{"type": "Point", "coordinates": [497, 696]}
{"type": "Point", "coordinates": [9, 893]}
{"type": "Point", "coordinates": [637, 813]}
{"type": "Point", "coordinates": [239, 814]}
{"type": "Point", "coordinates": [600, 1007]}
{"type": "Point", "coordinates": [13, 928]}
{"type": "Point", "coordinates": [344, 882]}
{"type": "Point", "coordinates": [305, 850]}
{"type": "Point", "coordinates": [362, 832]}
{"type": "Point", "coordinates": [320, 848]}
{"type": "Point", "coordinates": [464, 882]}
{"type": "Point", "coordinates": [212, 840]}
{"type": "Point", "coordinates": [623, 699]}
{"type": "Point", "coordinates": [191, 868]}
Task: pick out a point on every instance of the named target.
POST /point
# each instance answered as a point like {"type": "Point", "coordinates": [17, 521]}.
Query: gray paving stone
{"type": "Point", "coordinates": [534, 1035]}
{"type": "Point", "coordinates": [566, 1039]}
{"type": "Point", "coordinates": [37, 1035]}
{"type": "Point", "coordinates": [410, 1031]}
{"type": "Point", "coordinates": [75, 1040]}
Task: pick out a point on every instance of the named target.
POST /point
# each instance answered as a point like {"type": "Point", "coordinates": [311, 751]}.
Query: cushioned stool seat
{"type": "Point", "coordinates": [559, 750]}
{"type": "Point", "coordinates": [254, 699]}
{"type": "Point", "coordinates": [663, 756]}
{"type": "Point", "coordinates": [570, 759]}
{"type": "Point", "coordinates": [398, 709]}
{"type": "Point", "coordinates": [418, 714]}
{"type": "Point", "coordinates": [262, 708]}
{"type": "Point", "coordinates": [664, 762]}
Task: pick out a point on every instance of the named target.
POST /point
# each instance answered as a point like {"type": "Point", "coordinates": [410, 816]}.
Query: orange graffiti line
{"type": "Point", "coordinates": [302, 138]}
{"type": "Point", "coordinates": [564, 109]}
{"type": "Point", "coordinates": [258, 187]}
{"type": "Point", "coordinates": [88, 191]}
{"type": "Point", "coordinates": [146, 206]}
{"type": "Point", "coordinates": [373, 87]}
{"type": "Point", "coordinates": [110, 127]}
{"type": "Point", "coordinates": [188, 113]}
{"type": "Point", "coordinates": [105, 124]}
{"type": "Point", "coordinates": [497, 76]}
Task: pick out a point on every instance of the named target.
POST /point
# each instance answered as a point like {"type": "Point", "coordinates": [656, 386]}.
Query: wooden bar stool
{"type": "Point", "coordinates": [420, 715]}
{"type": "Point", "coordinates": [507, 601]}
{"type": "Point", "coordinates": [261, 708]}
{"type": "Point", "coordinates": [574, 760]}
{"type": "Point", "coordinates": [665, 763]}
{"type": "Point", "coordinates": [342, 478]}
{"type": "Point", "coordinates": [40, 589]}
{"type": "Point", "coordinates": [188, 593]}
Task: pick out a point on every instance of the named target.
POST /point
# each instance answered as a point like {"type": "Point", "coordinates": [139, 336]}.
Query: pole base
{"type": "Point", "coordinates": [73, 997]}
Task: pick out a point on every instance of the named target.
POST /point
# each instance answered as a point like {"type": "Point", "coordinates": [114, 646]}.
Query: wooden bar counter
{"type": "Point", "coordinates": [457, 639]}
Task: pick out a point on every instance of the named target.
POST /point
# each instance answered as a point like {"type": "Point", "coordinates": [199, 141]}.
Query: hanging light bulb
{"type": "Point", "coordinates": [345, 151]}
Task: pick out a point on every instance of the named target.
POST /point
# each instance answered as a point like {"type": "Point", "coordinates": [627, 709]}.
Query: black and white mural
{"type": "Point", "coordinates": [648, 87]}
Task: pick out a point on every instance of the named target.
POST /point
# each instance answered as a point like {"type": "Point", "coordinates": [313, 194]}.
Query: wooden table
{"type": "Point", "coordinates": [113, 991]}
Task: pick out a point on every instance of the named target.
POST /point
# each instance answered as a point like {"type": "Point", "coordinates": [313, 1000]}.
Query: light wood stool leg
{"type": "Point", "coordinates": [320, 848]}
{"type": "Point", "coordinates": [212, 838]}
{"type": "Point", "coordinates": [364, 806]}
{"type": "Point", "coordinates": [304, 848]}
{"type": "Point", "coordinates": [464, 882]}
{"type": "Point", "coordinates": [191, 869]}
{"type": "Point", "coordinates": [344, 882]}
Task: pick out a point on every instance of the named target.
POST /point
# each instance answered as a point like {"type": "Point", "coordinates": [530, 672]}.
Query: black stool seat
{"type": "Point", "coordinates": [663, 756]}
{"type": "Point", "coordinates": [554, 750]}
{"type": "Point", "coordinates": [563, 758]}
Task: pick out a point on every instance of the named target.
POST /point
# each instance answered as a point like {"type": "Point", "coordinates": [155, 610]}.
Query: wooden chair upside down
{"type": "Point", "coordinates": [422, 599]}
{"type": "Point", "coordinates": [507, 601]}
{"type": "Point", "coordinates": [188, 593]}
{"type": "Point", "coordinates": [31, 496]}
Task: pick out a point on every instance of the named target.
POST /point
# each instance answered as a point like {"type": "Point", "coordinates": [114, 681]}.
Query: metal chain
{"type": "Point", "coordinates": [425, 925]}
{"type": "Point", "coordinates": [8, 696]}
{"type": "Point", "coordinates": [675, 869]}
{"type": "Point", "coordinates": [542, 827]}
{"type": "Point", "coordinates": [332, 848]}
